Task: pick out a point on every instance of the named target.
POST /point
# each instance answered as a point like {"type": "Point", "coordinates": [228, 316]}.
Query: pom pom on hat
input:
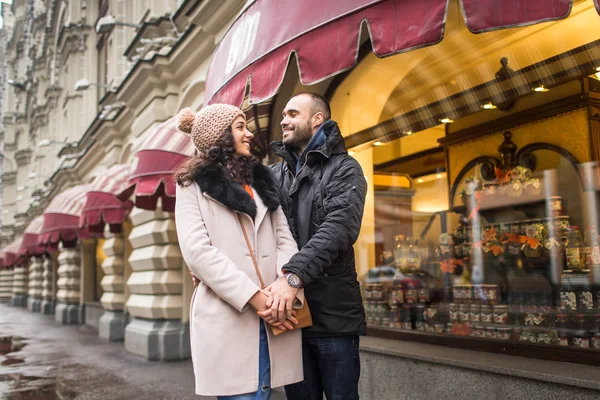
{"type": "Point", "coordinates": [208, 125]}
{"type": "Point", "coordinates": [185, 120]}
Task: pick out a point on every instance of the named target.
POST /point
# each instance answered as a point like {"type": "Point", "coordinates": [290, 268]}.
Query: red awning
{"type": "Point", "coordinates": [153, 166]}
{"type": "Point", "coordinates": [102, 205]}
{"type": "Point", "coordinates": [324, 36]}
{"type": "Point", "coordinates": [61, 218]}
{"type": "Point", "coordinates": [11, 254]}
{"type": "Point", "coordinates": [29, 246]}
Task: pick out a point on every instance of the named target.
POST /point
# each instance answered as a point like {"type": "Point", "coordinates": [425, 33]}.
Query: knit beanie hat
{"type": "Point", "coordinates": [208, 125]}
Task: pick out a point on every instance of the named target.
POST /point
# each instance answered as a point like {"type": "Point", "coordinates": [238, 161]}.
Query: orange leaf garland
{"type": "Point", "coordinates": [531, 242]}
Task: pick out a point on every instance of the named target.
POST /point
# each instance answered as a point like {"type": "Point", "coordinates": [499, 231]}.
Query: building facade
{"type": "Point", "coordinates": [477, 131]}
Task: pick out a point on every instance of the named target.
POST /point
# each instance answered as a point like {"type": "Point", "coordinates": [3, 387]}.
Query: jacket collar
{"type": "Point", "coordinates": [216, 183]}
{"type": "Point", "coordinates": [333, 144]}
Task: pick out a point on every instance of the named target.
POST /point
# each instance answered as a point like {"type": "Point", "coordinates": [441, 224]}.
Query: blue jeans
{"type": "Point", "coordinates": [264, 373]}
{"type": "Point", "coordinates": [332, 366]}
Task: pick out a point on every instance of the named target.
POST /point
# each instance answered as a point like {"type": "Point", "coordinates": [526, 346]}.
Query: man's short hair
{"type": "Point", "coordinates": [319, 104]}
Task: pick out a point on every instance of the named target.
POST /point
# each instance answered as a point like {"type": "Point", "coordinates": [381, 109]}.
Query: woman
{"type": "Point", "coordinates": [235, 355]}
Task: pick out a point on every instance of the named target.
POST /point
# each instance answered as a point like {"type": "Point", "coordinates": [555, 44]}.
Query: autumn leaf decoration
{"type": "Point", "coordinates": [531, 242]}
{"type": "Point", "coordinates": [501, 176]}
{"type": "Point", "coordinates": [449, 266]}
{"type": "Point", "coordinates": [460, 329]}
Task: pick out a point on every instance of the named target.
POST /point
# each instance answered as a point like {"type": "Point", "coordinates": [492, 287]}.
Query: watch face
{"type": "Point", "coordinates": [293, 280]}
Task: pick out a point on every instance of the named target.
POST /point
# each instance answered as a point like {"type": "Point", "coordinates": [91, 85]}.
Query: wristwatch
{"type": "Point", "coordinates": [293, 280]}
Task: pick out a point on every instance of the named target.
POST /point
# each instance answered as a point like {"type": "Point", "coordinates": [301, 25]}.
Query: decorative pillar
{"type": "Point", "coordinates": [156, 331]}
{"type": "Point", "coordinates": [6, 285]}
{"type": "Point", "coordinates": [34, 301]}
{"type": "Point", "coordinates": [19, 298]}
{"type": "Point", "coordinates": [47, 287]}
{"type": "Point", "coordinates": [113, 321]}
{"type": "Point", "coordinates": [68, 309]}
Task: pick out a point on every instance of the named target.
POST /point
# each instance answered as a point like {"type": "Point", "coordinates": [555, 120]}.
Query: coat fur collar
{"type": "Point", "coordinates": [215, 182]}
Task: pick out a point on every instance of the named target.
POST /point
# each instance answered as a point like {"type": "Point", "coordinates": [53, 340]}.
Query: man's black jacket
{"type": "Point", "coordinates": [324, 204]}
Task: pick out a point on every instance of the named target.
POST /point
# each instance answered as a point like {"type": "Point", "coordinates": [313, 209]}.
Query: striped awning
{"type": "Point", "coordinates": [102, 206]}
{"type": "Point", "coordinates": [151, 174]}
{"type": "Point", "coordinates": [29, 246]}
{"type": "Point", "coordinates": [11, 256]}
{"type": "Point", "coordinates": [255, 52]}
{"type": "Point", "coordinates": [61, 218]}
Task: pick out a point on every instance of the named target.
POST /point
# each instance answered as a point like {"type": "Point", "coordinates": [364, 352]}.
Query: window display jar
{"type": "Point", "coordinates": [500, 314]}
{"type": "Point", "coordinates": [410, 293]}
{"type": "Point", "coordinates": [463, 313]}
{"type": "Point", "coordinates": [397, 294]}
{"type": "Point", "coordinates": [453, 313]}
{"type": "Point", "coordinates": [487, 315]}
{"type": "Point", "coordinates": [401, 248]}
{"type": "Point", "coordinates": [475, 313]}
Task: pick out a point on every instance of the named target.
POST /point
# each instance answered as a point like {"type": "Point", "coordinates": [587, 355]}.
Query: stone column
{"type": "Point", "coordinates": [68, 309]}
{"type": "Point", "coordinates": [34, 301]}
{"type": "Point", "coordinates": [156, 331]}
{"type": "Point", "coordinates": [47, 287]}
{"type": "Point", "coordinates": [112, 322]}
{"type": "Point", "coordinates": [6, 285]}
{"type": "Point", "coordinates": [19, 298]}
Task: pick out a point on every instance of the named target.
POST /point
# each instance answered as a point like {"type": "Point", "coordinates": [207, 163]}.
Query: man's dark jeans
{"type": "Point", "coordinates": [331, 365]}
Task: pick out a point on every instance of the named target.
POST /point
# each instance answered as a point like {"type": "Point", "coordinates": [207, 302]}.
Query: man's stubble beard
{"type": "Point", "coordinates": [301, 137]}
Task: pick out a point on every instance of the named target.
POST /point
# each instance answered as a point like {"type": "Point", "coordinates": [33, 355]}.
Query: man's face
{"type": "Point", "coordinates": [297, 122]}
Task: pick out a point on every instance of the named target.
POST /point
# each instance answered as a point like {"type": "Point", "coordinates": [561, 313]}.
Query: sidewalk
{"type": "Point", "coordinates": [71, 362]}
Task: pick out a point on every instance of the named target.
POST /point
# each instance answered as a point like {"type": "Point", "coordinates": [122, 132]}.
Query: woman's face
{"type": "Point", "coordinates": [241, 136]}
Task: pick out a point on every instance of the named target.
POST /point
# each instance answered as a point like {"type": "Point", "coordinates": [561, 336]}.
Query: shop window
{"type": "Point", "coordinates": [481, 222]}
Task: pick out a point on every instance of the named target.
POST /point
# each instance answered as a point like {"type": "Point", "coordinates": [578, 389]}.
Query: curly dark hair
{"type": "Point", "coordinates": [221, 153]}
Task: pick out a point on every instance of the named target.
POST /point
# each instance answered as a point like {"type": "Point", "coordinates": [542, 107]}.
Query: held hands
{"type": "Point", "coordinates": [281, 299]}
{"type": "Point", "coordinates": [260, 300]}
{"type": "Point", "coordinates": [274, 304]}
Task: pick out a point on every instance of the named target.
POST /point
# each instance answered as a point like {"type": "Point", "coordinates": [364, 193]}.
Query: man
{"type": "Point", "coordinates": [323, 196]}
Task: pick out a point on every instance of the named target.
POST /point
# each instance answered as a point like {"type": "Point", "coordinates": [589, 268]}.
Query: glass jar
{"type": "Point", "coordinates": [420, 318]}
{"type": "Point", "coordinates": [490, 294]}
{"type": "Point", "coordinates": [555, 206]}
{"type": "Point", "coordinates": [397, 294]}
{"type": "Point", "coordinates": [581, 339]}
{"type": "Point", "coordinates": [475, 313]}
{"type": "Point", "coordinates": [490, 332]}
{"type": "Point", "coordinates": [401, 247]}
{"type": "Point", "coordinates": [453, 312]}
{"type": "Point", "coordinates": [562, 326]}
{"type": "Point", "coordinates": [463, 313]}
{"type": "Point", "coordinates": [568, 298]}
{"type": "Point", "coordinates": [410, 293]}
{"type": "Point", "coordinates": [369, 292]}
{"type": "Point", "coordinates": [423, 295]}
{"type": "Point", "coordinates": [431, 314]}
{"type": "Point", "coordinates": [500, 314]}
{"type": "Point", "coordinates": [395, 316]}
{"type": "Point", "coordinates": [378, 293]}
{"type": "Point", "coordinates": [503, 333]}
{"type": "Point", "coordinates": [487, 315]}
{"type": "Point", "coordinates": [478, 331]}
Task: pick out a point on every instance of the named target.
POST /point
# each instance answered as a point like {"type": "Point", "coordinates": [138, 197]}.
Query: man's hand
{"type": "Point", "coordinates": [281, 300]}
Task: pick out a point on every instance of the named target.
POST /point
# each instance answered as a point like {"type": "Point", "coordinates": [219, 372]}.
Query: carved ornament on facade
{"type": "Point", "coordinates": [72, 39]}
{"type": "Point", "coordinates": [9, 178]}
{"type": "Point", "coordinates": [23, 157]}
